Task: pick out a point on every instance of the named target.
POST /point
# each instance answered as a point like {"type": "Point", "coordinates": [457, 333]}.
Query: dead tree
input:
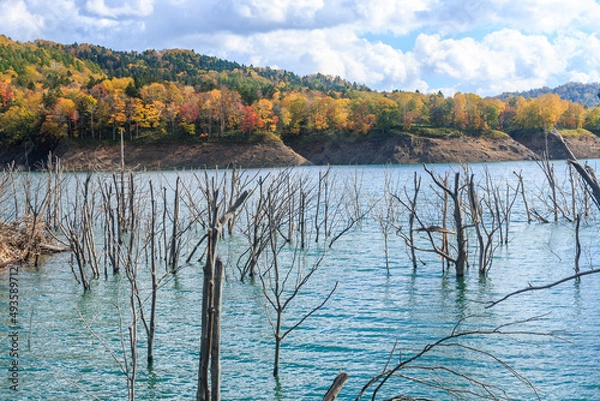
{"type": "Point", "coordinates": [78, 229]}
{"type": "Point", "coordinates": [88, 226]}
{"type": "Point", "coordinates": [577, 243]}
{"type": "Point", "coordinates": [209, 369]}
{"type": "Point", "coordinates": [280, 292]}
{"type": "Point", "coordinates": [129, 254]}
{"type": "Point", "coordinates": [111, 232]}
{"type": "Point", "coordinates": [321, 218]}
{"type": "Point", "coordinates": [55, 181]}
{"type": "Point", "coordinates": [409, 202]}
{"type": "Point", "coordinates": [302, 217]}
{"type": "Point", "coordinates": [548, 170]}
{"type": "Point", "coordinates": [524, 197]}
{"type": "Point", "coordinates": [175, 240]}
{"type": "Point", "coordinates": [305, 193]}
{"type": "Point", "coordinates": [283, 280]}
{"type": "Point", "coordinates": [255, 233]}
{"type": "Point", "coordinates": [485, 235]}
{"type": "Point", "coordinates": [386, 215]}
{"type": "Point", "coordinates": [532, 288]}
{"type": "Point", "coordinates": [489, 213]}
{"type": "Point", "coordinates": [36, 200]}
{"type": "Point", "coordinates": [24, 233]}
{"type": "Point", "coordinates": [455, 193]}
{"type": "Point", "coordinates": [150, 325]}
{"type": "Point", "coordinates": [293, 195]}
{"type": "Point", "coordinates": [349, 210]}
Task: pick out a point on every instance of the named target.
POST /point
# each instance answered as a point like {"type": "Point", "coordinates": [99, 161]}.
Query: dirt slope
{"type": "Point", "coordinates": [412, 149]}
{"type": "Point", "coordinates": [178, 156]}
{"type": "Point", "coordinates": [583, 147]}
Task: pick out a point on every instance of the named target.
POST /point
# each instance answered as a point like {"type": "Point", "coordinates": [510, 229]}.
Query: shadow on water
{"type": "Point", "coordinates": [152, 380]}
{"type": "Point", "coordinates": [279, 391]}
{"type": "Point", "coordinates": [461, 295]}
{"type": "Point", "coordinates": [577, 297]}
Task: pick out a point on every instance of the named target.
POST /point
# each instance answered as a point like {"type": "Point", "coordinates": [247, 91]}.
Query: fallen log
{"type": "Point", "coordinates": [50, 248]}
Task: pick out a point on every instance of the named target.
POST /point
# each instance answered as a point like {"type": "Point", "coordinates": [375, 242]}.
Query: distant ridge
{"type": "Point", "coordinates": [586, 94]}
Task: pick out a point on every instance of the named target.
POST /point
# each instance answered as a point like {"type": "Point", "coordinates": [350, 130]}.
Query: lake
{"type": "Point", "coordinates": [67, 338]}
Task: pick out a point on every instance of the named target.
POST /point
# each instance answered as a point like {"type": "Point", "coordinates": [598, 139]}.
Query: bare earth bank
{"type": "Point", "coordinates": [413, 149]}
{"type": "Point", "coordinates": [179, 156]}
{"type": "Point", "coordinates": [407, 149]}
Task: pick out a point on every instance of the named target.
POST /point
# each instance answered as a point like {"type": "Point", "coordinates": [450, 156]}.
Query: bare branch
{"type": "Point", "coordinates": [450, 341]}
{"type": "Point", "coordinates": [311, 312]}
{"type": "Point", "coordinates": [543, 287]}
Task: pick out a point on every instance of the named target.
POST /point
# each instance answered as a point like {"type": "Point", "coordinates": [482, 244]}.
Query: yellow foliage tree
{"type": "Point", "coordinates": [573, 117]}
{"type": "Point", "coordinates": [551, 107]}
{"type": "Point", "coordinates": [295, 112]}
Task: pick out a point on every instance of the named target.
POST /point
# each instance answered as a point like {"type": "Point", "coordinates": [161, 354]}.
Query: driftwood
{"type": "Point", "coordinates": [434, 229]}
{"type": "Point", "coordinates": [20, 241]}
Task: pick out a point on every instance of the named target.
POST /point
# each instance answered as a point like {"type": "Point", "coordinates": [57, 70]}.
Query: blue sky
{"type": "Point", "coordinates": [480, 46]}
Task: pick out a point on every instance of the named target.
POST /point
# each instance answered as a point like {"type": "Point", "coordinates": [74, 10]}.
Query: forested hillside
{"type": "Point", "coordinates": [50, 92]}
{"type": "Point", "coordinates": [586, 94]}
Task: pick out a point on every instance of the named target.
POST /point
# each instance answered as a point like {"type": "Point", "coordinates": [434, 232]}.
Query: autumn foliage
{"type": "Point", "coordinates": [50, 91]}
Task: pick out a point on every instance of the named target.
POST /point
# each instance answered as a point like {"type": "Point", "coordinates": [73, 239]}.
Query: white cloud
{"type": "Point", "coordinates": [398, 17]}
{"type": "Point", "coordinates": [59, 20]}
{"type": "Point", "coordinates": [18, 22]}
{"type": "Point", "coordinates": [140, 8]}
{"type": "Point", "coordinates": [485, 46]}
{"type": "Point", "coordinates": [504, 59]}
{"type": "Point", "coordinates": [337, 52]}
{"type": "Point", "coordinates": [582, 51]}
{"type": "Point", "coordinates": [277, 10]}
{"type": "Point", "coordinates": [452, 17]}
{"type": "Point", "coordinates": [549, 16]}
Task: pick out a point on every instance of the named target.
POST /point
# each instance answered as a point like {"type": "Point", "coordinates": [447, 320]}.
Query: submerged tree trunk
{"type": "Point", "coordinates": [209, 366]}
{"type": "Point", "coordinates": [207, 318]}
{"type": "Point", "coordinates": [336, 387]}
{"type": "Point", "coordinates": [461, 241]}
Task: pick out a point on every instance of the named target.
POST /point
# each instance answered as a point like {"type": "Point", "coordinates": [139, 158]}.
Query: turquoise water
{"type": "Point", "coordinates": [357, 329]}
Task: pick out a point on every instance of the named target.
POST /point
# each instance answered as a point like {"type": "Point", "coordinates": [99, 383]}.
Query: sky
{"type": "Point", "coordinates": [477, 46]}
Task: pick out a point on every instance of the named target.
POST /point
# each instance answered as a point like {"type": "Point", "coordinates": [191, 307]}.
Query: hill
{"type": "Point", "coordinates": [202, 71]}
{"type": "Point", "coordinates": [52, 94]}
{"type": "Point", "coordinates": [585, 94]}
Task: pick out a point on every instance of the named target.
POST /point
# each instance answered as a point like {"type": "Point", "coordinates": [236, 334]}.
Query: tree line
{"type": "Point", "coordinates": [50, 91]}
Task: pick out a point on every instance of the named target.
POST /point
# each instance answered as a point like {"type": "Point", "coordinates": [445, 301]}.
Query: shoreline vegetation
{"type": "Point", "coordinates": [179, 109]}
